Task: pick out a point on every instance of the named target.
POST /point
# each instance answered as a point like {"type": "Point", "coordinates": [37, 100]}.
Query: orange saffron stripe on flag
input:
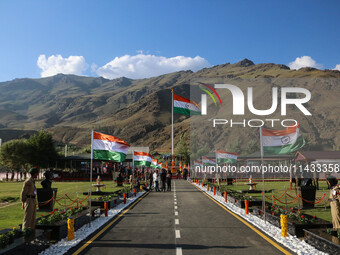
{"type": "Point", "coordinates": [271, 132]}
{"type": "Point", "coordinates": [183, 99]}
{"type": "Point", "coordinates": [137, 153]}
{"type": "Point", "coordinates": [100, 136]}
{"type": "Point", "coordinates": [219, 151]}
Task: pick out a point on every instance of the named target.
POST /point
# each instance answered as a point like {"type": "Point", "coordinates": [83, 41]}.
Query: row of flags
{"type": "Point", "coordinates": [107, 147]}
{"type": "Point", "coordinates": [222, 157]}
{"type": "Point", "coordinates": [273, 142]}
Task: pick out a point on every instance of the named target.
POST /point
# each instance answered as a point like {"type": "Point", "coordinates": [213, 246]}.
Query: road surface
{"type": "Point", "coordinates": [181, 222]}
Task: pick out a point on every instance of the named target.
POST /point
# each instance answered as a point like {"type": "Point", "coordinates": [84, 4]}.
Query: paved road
{"type": "Point", "coordinates": [185, 222]}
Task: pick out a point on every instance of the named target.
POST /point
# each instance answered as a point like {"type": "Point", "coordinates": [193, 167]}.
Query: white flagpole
{"type": "Point", "coordinates": [216, 164]}
{"type": "Point", "coordinates": [202, 166]}
{"type": "Point", "coordinates": [133, 161]}
{"type": "Point", "coordinates": [263, 189]}
{"type": "Point", "coordinates": [91, 166]}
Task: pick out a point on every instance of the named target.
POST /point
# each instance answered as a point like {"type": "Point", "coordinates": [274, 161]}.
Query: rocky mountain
{"type": "Point", "coordinates": [139, 111]}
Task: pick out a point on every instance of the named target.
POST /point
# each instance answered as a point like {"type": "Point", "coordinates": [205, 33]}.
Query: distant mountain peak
{"type": "Point", "coordinates": [244, 63]}
{"type": "Point", "coordinates": [123, 82]}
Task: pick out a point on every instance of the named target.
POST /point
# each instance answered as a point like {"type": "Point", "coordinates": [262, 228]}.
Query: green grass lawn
{"type": "Point", "coordinates": [278, 189]}
{"type": "Point", "coordinates": [11, 214]}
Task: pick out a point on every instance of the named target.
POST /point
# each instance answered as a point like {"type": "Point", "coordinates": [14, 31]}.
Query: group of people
{"type": "Point", "coordinates": [159, 180]}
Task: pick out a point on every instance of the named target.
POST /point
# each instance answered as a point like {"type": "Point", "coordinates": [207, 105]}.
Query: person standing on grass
{"type": "Point", "coordinates": [168, 180]}
{"type": "Point", "coordinates": [131, 181]}
{"type": "Point", "coordinates": [28, 201]}
{"type": "Point", "coordinates": [334, 198]}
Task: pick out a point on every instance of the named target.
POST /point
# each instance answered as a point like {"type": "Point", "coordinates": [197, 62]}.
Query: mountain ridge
{"type": "Point", "coordinates": [135, 110]}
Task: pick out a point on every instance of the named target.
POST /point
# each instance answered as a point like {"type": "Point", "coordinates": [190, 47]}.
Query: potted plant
{"type": "Point", "coordinates": [57, 221]}
{"type": "Point", "coordinates": [297, 219]}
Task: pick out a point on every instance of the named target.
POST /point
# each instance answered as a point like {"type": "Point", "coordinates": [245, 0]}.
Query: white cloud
{"type": "Point", "coordinates": [55, 64]}
{"type": "Point", "coordinates": [304, 61]}
{"type": "Point", "coordinates": [337, 67]}
{"type": "Point", "coordinates": [145, 66]}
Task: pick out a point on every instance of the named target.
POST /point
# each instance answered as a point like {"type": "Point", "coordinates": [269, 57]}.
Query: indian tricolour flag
{"type": "Point", "coordinates": [226, 157]}
{"type": "Point", "coordinates": [142, 158]}
{"type": "Point", "coordinates": [208, 162]}
{"type": "Point", "coordinates": [154, 163]}
{"type": "Point", "coordinates": [185, 106]}
{"type": "Point", "coordinates": [159, 165]}
{"type": "Point", "coordinates": [107, 147]}
{"type": "Point", "coordinates": [282, 141]}
{"type": "Point", "coordinates": [197, 163]}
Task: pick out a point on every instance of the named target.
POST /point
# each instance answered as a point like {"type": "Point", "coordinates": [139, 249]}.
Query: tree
{"type": "Point", "coordinates": [183, 147]}
{"type": "Point", "coordinates": [43, 152]}
{"type": "Point", "coordinates": [14, 155]}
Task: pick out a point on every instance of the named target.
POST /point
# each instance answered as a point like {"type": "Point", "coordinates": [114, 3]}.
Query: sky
{"type": "Point", "coordinates": [140, 39]}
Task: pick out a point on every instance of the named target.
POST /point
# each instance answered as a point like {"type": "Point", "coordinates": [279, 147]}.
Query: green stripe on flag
{"type": "Point", "coordinates": [208, 164]}
{"type": "Point", "coordinates": [180, 110]}
{"type": "Point", "coordinates": [142, 163]}
{"type": "Point", "coordinates": [109, 155]}
{"type": "Point", "coordinates": [286, 149]}
{"type": "Point", "coordinates": [225, 160]}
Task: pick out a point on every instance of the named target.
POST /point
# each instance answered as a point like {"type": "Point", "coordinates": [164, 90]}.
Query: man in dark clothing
{"type": "Point", "coordinates": [163, 179]}
{"type": "Point", "coordinates": [185, 173]}
{"type": "Point", "coordinates": [168, 180]}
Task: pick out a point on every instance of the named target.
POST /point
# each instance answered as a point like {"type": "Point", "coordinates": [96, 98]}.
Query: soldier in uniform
{"type": "Point", "coordinates": [334, 198]}
{"type": "Point", "coordinates": [28, 200]}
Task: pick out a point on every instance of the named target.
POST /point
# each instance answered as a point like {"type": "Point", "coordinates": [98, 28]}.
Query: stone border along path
{"type": "Point", "coordinates": [291, 242]}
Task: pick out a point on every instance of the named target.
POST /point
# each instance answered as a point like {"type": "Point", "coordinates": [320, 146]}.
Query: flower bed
{"type": "Point", "coordinates": [240, 202]}
{"type": "Point", "coordinates": [324, 240]}
{"type": "Point", "coordinates": [8, 237]}
{"type": "Point", "coordinates": [112, 200]}
{"type": "Point", "coordinates": [238, 199]}
{"type": "Point", "coordinates": [297, 220]}
{"type": "Point", "coordinates": [23, 243]}
{"type": "Point", "coordinates": [57, 221]}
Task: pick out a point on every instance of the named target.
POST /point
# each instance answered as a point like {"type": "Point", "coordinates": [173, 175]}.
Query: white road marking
{"type": "Point", "coordinates": [178, 234]}
{"type": "Point", "coordinates": [175, 203]}
{"type": "Point", "coordinates": [179, 251]}
{"type": "Point", "coordinates": [176, 221]}
{"type": "Point", "coordinates": [176, 213]}
{"type": "Point", "coordinates": [176, 207]}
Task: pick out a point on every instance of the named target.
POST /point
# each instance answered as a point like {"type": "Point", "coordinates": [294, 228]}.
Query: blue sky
{"type": "Point", "coordinates": [154, 33]}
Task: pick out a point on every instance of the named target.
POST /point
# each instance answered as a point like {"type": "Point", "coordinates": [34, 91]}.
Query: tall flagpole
{"type": "Point", "coordinates": [263, 189]}
{"type": "Point", "coordinates": [172, 128]}
{"type": "Point", "coordinates": [91, 166]}
{"type": "Point", "coordinates": [133, 161]}
{"type": "Point", "coordinates": [216, 167]}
